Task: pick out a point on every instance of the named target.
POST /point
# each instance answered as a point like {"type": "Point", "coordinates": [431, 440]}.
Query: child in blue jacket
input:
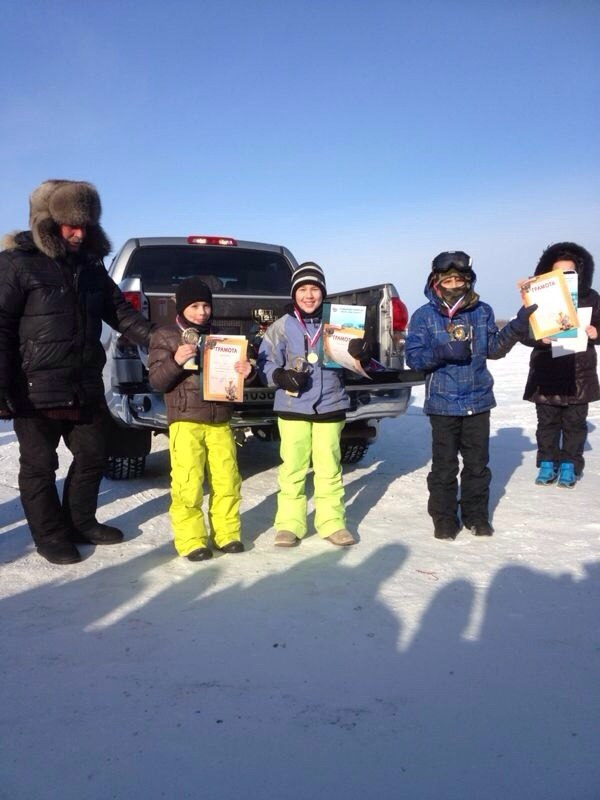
{"type": "Point", "coordinates": [310, 403]}
{"type": "Point", "coordinates": [450, 338]}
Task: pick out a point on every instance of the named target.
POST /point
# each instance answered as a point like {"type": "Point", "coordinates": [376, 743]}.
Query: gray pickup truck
{"type": "Point", "coordinates": [250, 282]}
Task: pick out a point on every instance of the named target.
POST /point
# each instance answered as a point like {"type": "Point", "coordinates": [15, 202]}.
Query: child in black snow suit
{"type": "Point", "coordinates": [451, 338]}
{"type": "Point", "coordinates": [562, 388]}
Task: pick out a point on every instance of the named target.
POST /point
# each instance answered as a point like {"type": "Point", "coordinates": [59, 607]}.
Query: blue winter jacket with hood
{"type": "Point", "coordinates": [452, 388]}
{"type": "Point", "coordinates": [324, 394]}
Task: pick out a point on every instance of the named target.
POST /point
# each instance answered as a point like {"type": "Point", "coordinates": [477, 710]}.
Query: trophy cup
{"type": "Point", "coordinates": [190, 336]}
{"type": "Point", "coordinates": [299, 364]}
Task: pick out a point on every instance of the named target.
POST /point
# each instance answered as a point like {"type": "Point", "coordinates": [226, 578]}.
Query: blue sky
{"type": "Point", "coordinates": [367, 136]}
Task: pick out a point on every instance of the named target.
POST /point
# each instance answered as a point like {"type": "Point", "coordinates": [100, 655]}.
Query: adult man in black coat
{"type": "Point", "coordinates": [54, 295]}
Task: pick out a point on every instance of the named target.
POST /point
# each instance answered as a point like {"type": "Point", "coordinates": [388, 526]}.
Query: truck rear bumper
{"type": "Point", "coordinates": [374, 400]}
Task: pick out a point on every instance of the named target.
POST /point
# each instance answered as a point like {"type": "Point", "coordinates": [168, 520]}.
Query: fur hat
{"type": "Point", "coordinates": [189, 291]}
{"type": "Point", "coordinates": [569, 251]}
{"type": "Point", "coordinates": [308, 272]}
{"type": "Point", "coordinates": [65, 202]}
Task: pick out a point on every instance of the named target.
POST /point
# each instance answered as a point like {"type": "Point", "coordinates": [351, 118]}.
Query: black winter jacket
{"type": "Point", "coordinates": [51, 314]}
{"type": "Point", "coordinates": [573, 378]}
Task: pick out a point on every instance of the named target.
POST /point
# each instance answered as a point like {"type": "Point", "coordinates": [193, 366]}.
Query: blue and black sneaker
{"type": "Point", "coordinates": [566, 475]}
{"type": "Point", "coordinates": [547, 473]}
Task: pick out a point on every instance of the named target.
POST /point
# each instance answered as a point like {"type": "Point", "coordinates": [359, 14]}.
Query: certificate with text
{"type": "Point", "coordinates": [341, 324]}
{"type": "Point", "coordinates": [220, 381]}
{"type": "Point", "coordinates": [555, 309]}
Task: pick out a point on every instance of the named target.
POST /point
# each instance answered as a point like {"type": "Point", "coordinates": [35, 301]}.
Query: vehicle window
{"type": "Point", "coordinates": [225, 270]}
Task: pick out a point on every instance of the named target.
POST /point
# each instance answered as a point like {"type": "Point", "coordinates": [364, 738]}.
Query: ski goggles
{"type": "Point", "coordinates": [453, 259]}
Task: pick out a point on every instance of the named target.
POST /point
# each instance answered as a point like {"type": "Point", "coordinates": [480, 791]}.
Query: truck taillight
{"type": "Point", "coordinates": [399, 315]}
{"type": "Point", "coordinates": [223, 241]}
{"type": "Point", "coordinates": [135, 298]}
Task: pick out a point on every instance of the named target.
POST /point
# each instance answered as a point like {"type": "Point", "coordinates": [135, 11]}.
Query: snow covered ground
{"type": "Point", "coordinates": [404, 667]}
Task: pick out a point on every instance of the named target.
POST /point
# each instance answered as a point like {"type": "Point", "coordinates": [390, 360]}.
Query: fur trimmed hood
{"type": "Point", "coordinates": [569, 251]}
{"type": "Point", "coordinates": [63, 202]}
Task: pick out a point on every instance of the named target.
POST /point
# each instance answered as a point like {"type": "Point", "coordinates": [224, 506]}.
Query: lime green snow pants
{"type": "Point", "coordinates": [196, 448]}
{"type": "Point", "coordinates": [299, 441]}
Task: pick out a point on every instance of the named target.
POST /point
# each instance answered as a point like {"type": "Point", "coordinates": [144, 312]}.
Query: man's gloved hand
{"type": "Point", "coordinates": [520, 323]}
{"type": "Point", "coordinates": [453, 351]}
{"type": "Point", "coordinates": [359, 349]}
{"type": "Point", "coordinates": [7, 407]}
{"type": "Point", "coordinates": [290, 379]}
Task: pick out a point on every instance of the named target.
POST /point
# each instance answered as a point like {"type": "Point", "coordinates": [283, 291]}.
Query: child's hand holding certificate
{"type": "Point", "coordinates": [555, 309]}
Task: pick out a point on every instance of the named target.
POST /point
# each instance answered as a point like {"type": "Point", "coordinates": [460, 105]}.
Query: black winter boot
{"type": "Point", "coordinates": [234, 546]}
{"type": "Point", "coordinates": [201, 554]}
{"type": "Point", "coordinates": [63, 552]}
{"type": "Point", "coordinates": [98, 533]}
{"type": "Point", "coordinates": [445, 528]}
{"type": "Point", "coordinates": [480, 527]}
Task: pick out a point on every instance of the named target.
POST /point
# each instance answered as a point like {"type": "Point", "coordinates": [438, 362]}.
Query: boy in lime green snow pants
{"type": "Point", "coordinates": [200, 437]}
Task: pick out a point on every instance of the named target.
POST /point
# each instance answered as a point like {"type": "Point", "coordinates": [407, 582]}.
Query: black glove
{"type": "Point", "coordinates": [359, 349]}
{"type": "Point", "coordinates": [453, 351]}
{"type": "Point", "coordinates": [520, 323]}
{"type": "Point", "coordinates": [290, 379]}
{"type": "Point", "coordinates": [7, 407]}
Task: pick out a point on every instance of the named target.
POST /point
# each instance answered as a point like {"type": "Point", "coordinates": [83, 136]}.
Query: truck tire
{"type": "Point", "coordinates": [353, 450]}
{"type": "Point", "coordinates": [127, 450]}
{"type": "Point", "coordinates": [122, 468]}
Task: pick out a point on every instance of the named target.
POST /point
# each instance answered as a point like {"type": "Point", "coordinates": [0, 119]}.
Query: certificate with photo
{"type": "Point", "coordinates": [341, 323]}
{"type": "Point", "coordinates": [555, 309]}
{"type": "Point", "coordinates": [220, 381]}
{"type": "Point", "coordinates": [564, 347]}
{"type": "Point", "coordinates": [572, 280]}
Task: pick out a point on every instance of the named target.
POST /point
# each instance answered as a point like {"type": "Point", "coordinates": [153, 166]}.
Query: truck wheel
{"type": "Point", "coordinates": [127, 450]}
{"type": "Point", "coordinates": [122, 468]}
{"type": "Point", "coordinates": [353, 450]}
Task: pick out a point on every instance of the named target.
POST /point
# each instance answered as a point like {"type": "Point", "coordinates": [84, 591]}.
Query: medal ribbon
{"type": "Point", "coordinates": [312, 340]}
{"type": "Point", "coordinates": [452, 310]}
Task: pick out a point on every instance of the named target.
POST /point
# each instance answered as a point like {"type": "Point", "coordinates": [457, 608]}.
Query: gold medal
{"type": "Point", "coordinates": [312, 358]}
{"type": "Point", "coordinates": [190, 336]}
{"type": "Point", "coordinates": [458, 331]}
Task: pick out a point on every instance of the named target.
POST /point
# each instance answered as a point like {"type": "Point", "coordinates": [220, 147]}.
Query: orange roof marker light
{"type": "Point", "coordinates": [223, 241]}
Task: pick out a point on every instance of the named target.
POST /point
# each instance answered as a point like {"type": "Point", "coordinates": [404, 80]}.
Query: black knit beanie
{"type": "Point", "coordinates": [191, 290]}
{"type": "Point", "coordinates": [308, 272]}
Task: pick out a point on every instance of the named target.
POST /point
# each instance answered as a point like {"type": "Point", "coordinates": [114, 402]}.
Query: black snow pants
{"type": "Point", "coordinates": [561, 433]}
{"type": "Point", "coordinates": [470, 437]}
{"type": "Point", "coordinates": [49, 519]}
